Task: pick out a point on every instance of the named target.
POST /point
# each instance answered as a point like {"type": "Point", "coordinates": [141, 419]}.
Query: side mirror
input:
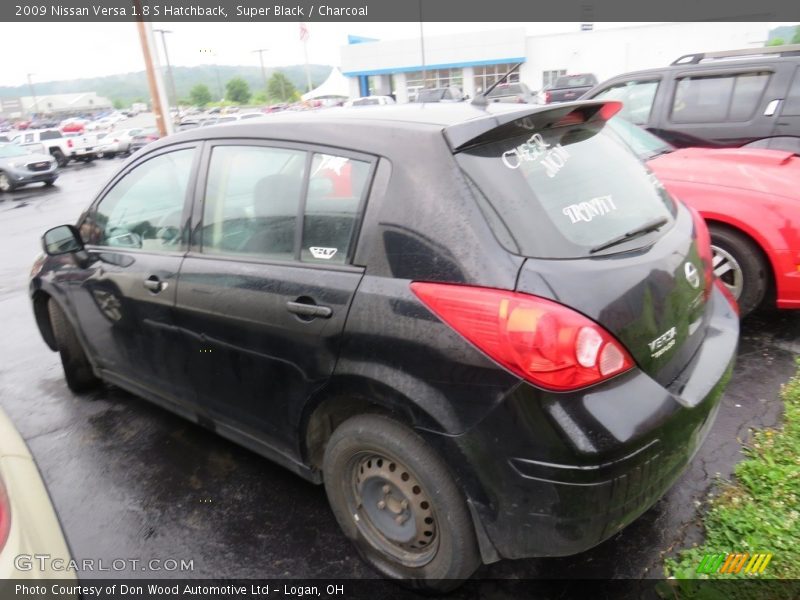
{"type": "Point", "coordinates": [63, 239]}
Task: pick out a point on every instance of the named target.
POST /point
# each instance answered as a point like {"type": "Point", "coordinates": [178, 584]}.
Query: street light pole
{"type": "Point", "coordinates": [33, 94]}
{"type": "Point", "coordinates": [169, 67]}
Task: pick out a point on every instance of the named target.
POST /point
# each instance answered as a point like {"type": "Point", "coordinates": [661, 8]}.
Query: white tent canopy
{"type": "Point", "coordinates": [336, 85]}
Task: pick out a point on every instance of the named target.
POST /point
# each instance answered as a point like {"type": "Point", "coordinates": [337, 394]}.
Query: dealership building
{"type": "Point", "coordinates": [58, 105]}
{"type": "Point", "coordinates": [473, 61]}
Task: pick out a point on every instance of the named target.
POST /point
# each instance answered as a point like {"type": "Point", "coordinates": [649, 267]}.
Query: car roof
{"type": "Point", "coordinates": [706, 65]}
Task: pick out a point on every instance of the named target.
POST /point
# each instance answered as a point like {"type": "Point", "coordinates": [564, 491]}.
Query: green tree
{"type": "Point", "coordinates": [280, 88]}
{"type": "Point", "coordinates": [237, 90]}
{"type": "Point", "coordinates": [200, 95]}
{"type": "Point", "coordinates": [796, 36]}
{"type": "Point", "coordinates": [119, 104]}
{"type": "Point", "coordinates": [776, 42]}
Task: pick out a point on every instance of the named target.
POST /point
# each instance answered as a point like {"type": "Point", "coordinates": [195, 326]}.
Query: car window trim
{"type": "Point", "coordinates": [187, 201]}
{"type": "Point", "coordinates": [195, 242]}
{"type": "Point", "coordinates": [274, 262]}
{"type": "Point", "coordinates": [723, 71]}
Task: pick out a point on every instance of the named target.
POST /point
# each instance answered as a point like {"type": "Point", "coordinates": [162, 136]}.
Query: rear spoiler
{"type": "Point", "coordinates": [495, 126]}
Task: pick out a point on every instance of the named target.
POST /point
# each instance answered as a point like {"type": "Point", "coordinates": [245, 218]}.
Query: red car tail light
{"type": "Point", "coordinates": [5, 515]}
{"type": "Point", "coordinates": [544, 342]}
{"type": "Point", "coordinates": [703, 241]}
{"type": "Point", "coordinates": [547, 97]}
{"type": "Point", "coordinates": [727, 293]}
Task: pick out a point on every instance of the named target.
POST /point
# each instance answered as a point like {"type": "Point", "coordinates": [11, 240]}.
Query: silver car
{"type": "Point", "coordinates": [18, 168]}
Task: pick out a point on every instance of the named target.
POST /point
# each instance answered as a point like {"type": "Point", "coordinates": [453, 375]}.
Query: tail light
{"type": "Point", "coordinates": [520, 100]}
{"type": "Point", "coordinates": [727, 293]}
{"type": "Point", "coordinates": [547, 97]}
{"type": "Point", "coordinates": [703, 241]}
{"type": "Point", "coordinates": [69, 143]}
{"type": "Point", "coordinates": [5, 515]}
{"type": "Point", "coordinates": [544, 342]}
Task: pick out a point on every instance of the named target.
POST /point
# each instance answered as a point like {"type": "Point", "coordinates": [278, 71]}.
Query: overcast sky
{"type": "Point", "coordinates": [71, 51]}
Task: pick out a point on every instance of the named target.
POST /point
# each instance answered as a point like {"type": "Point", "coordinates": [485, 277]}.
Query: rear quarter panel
{"type": "Point", "coordinates": [772, 222]}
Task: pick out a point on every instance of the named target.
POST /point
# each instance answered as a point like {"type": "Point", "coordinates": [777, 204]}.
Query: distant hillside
{"type": "Point", "coordinates": [130, 87]}
{"type": "Point", "coordinates": [786, 33]}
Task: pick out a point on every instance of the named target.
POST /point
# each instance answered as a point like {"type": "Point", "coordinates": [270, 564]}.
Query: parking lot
{"type": "Point", "coordinates": [132, 481]}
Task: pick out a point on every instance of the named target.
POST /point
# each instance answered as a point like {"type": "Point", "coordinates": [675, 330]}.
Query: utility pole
{"type": "Point", "coordinates": [422, 48]}
{"type": "Point", "coordinates": [157, 94]}
{"type": "Point", "coordinates": [263, 72]}
{"type": "Point", "coordinates": [33, 94]}
{"type": "Point", "coordinates": [169, 67]}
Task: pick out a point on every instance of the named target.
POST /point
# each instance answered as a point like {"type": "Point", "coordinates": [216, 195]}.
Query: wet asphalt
{"type": "Point", "coordinates": [132, 481]}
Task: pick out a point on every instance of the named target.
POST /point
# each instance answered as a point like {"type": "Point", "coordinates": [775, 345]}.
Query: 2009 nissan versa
{"type": "Point", "coordinates": [489, 331]}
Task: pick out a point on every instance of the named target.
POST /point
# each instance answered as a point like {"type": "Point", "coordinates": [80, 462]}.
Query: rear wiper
{"type": "Point", "coordinates": [661, 153]}
{"type": "Point", "coordinates": [654, 225]}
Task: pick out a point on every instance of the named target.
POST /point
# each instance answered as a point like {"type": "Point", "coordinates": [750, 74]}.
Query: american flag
{"type": "Point", "coordinates": [304, 35]}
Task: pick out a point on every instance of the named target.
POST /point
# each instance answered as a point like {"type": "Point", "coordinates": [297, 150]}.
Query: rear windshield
{"type": "Point", "coordinates": [574, 81]}
{"type": "Point", "coordinates": [504, 90]}
{"type": "Point", "coordinates": [430, 95]}
{"type": "Point", "coordinates": [564, 191]}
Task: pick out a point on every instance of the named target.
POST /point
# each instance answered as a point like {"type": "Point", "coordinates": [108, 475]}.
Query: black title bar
{"type": "Point", "coordinates": [398, 10]}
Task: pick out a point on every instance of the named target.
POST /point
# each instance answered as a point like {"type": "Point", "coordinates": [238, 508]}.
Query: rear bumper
{"type": "Point", "coordinates": [556, 474]}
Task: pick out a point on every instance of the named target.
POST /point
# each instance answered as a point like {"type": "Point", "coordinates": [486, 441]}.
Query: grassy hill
{"type": "Point", "coordinates": [132, 87]}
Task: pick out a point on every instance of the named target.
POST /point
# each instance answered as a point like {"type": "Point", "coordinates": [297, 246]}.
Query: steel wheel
{"type": "Point", "coordinates": [728, 270]}
{"type": "Point", "coordinates": [391, 509]}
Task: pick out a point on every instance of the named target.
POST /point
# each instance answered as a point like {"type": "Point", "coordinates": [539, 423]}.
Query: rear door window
{"type": "Point", "coordinates": [718, 98]}
{"type": "Point", "coordinates": [255, 194]}
{"type": "Point", "coordinates": [251, 201]}
{"type": "Point", "coordinates": [335, 192]}
{"type": "Point", "coordinates": [50, 135]}
{"type": "Point", "coordinates": [564, 191]}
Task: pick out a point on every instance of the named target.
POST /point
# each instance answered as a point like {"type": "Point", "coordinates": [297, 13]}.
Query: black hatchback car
{"type": "Point", "coordinates": [490, 331]}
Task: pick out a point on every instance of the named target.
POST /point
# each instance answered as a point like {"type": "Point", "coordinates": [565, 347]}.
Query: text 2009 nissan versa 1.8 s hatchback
{"type": "Point", "coordinates": [489, 331]}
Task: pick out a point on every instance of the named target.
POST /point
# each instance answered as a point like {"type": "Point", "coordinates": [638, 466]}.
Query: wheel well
{"type": "Point", "coordinates": [770, 270]}
{"type": "Point", "coordinates": [40, 300]}
{"type": "Point", "coordinates": [335, 409]}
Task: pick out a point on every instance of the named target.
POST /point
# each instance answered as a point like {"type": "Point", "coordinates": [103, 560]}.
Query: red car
{"type": "Point", "coordinates": [74, 125]}
{"type": "Point", "coordinates": [750, 199]}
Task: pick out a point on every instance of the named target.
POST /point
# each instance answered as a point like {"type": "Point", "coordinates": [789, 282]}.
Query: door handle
{"type": "Point", "coordinates": [154, 284]}
{"type": "Point", "coordinates": [309, 311]}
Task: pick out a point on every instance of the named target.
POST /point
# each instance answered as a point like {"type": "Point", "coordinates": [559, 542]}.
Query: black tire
{"type": "Point", "coordinates": [77, 368]}
{"type": "Point", "coordinates": [61, 160]}
{"type": "Point", "coordinates": [6, 185]}
{"type": "Point", "coordinates": [746, 272]}
{"type": "Point", "coordinates": [50, 182]}
{"type": "Point", "coordinates": [107, 155]}
{"type": "Point", "coordinates": [422, 491]}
